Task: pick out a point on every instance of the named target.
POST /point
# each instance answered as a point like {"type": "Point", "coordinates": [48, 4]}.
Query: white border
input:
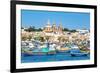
{"type": "Point", "coordinates": [20, 65]}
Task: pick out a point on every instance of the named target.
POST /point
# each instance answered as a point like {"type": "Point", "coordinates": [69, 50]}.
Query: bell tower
{"type": "Point", "coordinates": [54, 28]}
{"type": "Point", "coordinates": [60, 28]}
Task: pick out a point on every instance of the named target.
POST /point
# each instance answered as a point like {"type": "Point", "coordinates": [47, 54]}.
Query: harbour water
{"type": "Point", "coordinates": [51, 58]}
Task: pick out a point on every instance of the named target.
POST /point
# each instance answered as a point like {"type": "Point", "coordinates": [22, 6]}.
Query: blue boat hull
{"type": "Point", "coordinates": [79, 54]}
{"type": "Point", "coordinates": [35, 53]}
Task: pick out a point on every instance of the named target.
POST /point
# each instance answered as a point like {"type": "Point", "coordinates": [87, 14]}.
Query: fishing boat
{"type": "Point", "coordinates": [86, 50]}
{"type": "Point", "coordinates": [52, 49]}
{"type": "Point", "coordinates": [41, 52]}
{"type": "Point", "coordinates": [76, 52]}
{"type": "Point", "coordinates": [35, 52]}
{"type": "Point", "coordinates": [62, 49]}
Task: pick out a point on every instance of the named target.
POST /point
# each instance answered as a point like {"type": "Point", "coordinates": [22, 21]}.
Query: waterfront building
{"type": "Point", "coordinates": [83, 31]}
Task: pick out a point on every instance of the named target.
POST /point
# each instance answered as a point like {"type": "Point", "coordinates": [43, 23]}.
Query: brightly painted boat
{"type": "Point", "coordinates": [52, 49]}
{"type": "Point", "coordinates": [63, 49]}
{"type": "Point", "coordinates": [76, 52]}
{"type": "Point", "coordinates": [36, 52]}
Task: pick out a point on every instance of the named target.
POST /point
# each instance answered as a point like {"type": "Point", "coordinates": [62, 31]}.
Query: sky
{"type": "Point", "coordinates": [70, 20]}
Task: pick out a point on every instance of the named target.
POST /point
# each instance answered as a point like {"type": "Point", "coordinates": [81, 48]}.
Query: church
{"type": "Point", "coordinates": [53, 28]}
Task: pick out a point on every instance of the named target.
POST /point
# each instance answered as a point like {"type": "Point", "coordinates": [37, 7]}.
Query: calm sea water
{"type": "Point", "coordinates": [50, 58]}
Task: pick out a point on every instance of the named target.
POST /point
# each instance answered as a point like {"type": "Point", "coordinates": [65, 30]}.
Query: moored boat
{"type": "Point", "coordinates": [63, 49]}
{"type": "Point", "coordinates": [76, 52]}
{"type": "Point", "coordinates": [52, 49]}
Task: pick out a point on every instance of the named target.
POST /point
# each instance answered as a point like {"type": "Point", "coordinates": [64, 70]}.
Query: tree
{"type": "Point", "coordinates": [72, 30]}
{"type": "Point", "coordinates": [66, 29]}
{"type": "Point", "coordinates": [30, 29]}
{"type": "Point", "coordinates": [39, 29]}
{"type": "Point", "coordinates": [42, 39]}
{"type": "Point", "coordinates": [22, 28]}
{"type": "Point", "coordinates": [59, 38]}
{"type": "Point", "coordinates": [24, 38]}
{"type": "Point", "coordinates": [29, 37]}
{"type": "Point", "coordinates": [47, 38]}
